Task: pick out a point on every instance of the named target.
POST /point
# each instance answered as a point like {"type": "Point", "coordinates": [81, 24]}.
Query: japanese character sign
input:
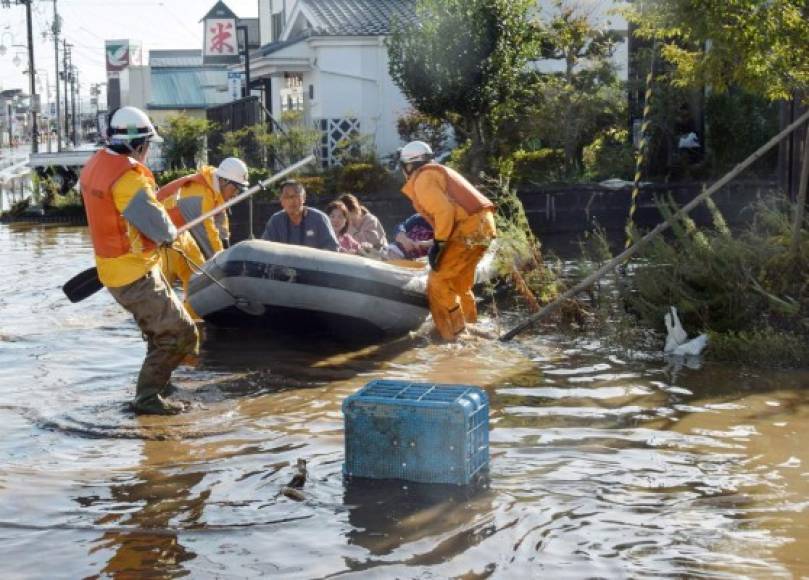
{"type": "Point", "coordinates": [220, 37]}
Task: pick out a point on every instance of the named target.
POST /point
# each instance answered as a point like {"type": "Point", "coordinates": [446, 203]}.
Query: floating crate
{"type": "Point", "coordinates": [422, 432]}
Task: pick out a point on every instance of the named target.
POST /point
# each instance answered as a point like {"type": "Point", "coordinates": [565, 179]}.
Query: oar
{"type": "Point", "coordinates": [86, 283]}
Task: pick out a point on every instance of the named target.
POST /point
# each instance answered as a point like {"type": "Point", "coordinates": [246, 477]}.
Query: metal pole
{"type": "Point", "coordinates": [56, 67]}
{"type": "Point", "coordinates": [32, 75]}
{"type": "Point", "coordinates": [65, 78]}
{"type": "Point", "coordinates": [73, 104]}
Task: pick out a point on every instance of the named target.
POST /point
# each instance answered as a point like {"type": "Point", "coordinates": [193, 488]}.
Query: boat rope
{"type": "Point", "coordinates": [643, 147]}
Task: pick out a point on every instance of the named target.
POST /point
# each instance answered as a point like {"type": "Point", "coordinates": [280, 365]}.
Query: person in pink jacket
{"type": "Point", "coordinates": [363, 225]}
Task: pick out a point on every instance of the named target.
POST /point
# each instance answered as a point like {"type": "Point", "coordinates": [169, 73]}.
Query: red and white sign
{"type": "Point", "coordinates": [220, 37]}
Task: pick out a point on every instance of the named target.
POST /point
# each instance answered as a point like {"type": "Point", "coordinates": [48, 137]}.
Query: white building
{"type": "Point", "coordinates": [327, 59]}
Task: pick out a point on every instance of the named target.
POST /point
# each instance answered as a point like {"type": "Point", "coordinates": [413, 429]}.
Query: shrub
{"type": "Point", "coordinates": [609, 155]}
{"type": "Point", "coordinates": [169, 175]}
{"type": "Point", "coordinates": [185, 140]}
{"type": "Point", "coordinates": [534, 167]}
{"type": "Point", "coordinates": [362, 178]}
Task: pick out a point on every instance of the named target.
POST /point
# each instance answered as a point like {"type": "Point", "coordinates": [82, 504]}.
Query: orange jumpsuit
{"type": "Point", "coordinates": [463, 219]}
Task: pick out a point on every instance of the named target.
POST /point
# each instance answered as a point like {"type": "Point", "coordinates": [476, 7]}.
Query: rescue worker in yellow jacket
{"type": "Point", "coordinates": [189, 197]}
{"type": "Point", "coordinates": [127, 227]}
{"type": "Point", "coordinates": [463, 225]}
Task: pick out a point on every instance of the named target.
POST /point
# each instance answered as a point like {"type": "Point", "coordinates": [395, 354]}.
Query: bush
{"type": "Point", "coordinates": [535, 167]}
{"type": "Point", "coordinates": [609, 155]}
{"type": "Point", "coordinates": [362, 178]}
{"type": "Point", "coordinates": [169, 175]}
{"type": "Point", "coordinates": [185, 140]}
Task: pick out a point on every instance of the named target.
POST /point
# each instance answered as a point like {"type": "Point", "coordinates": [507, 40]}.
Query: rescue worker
{"type": "Point", "coordinates": [127, 226]}
{"type": "Point", "coordinates": [463, 223]}
{"type": "Point", "coordinates": [188, 198]}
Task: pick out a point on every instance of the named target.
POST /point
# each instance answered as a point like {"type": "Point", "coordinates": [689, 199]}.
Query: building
{"type": "Point", "coordinates": [181, 83]}
{"type": "Point", "coordinates": [327, 59]}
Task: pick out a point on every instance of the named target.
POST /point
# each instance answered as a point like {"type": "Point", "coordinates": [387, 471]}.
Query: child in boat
{"type": "Point", "coordinates": [338, 215]}
{"type": "Point", "coordinates": [414, 237]}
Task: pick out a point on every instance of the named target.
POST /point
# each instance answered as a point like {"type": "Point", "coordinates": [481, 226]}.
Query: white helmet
{"type": "Point", "coordinates": [234, 170]}
{"type": "Point", "coordinates": [129, 124]}
{"type": "Point", "coordinates": [415, 152]}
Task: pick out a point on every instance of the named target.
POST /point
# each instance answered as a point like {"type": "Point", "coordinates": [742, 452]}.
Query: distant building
{"type": "Point", "coordinates": [180, 82]}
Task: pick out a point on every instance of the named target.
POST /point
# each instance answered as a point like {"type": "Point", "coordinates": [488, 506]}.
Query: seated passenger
{"type": "Point", "coordinates": [414, 237]}
{"type": "Point", "coordinates": [338, 215]}
{"type": "Point", "coordinates": [299, 224]}
{"type": "Point", "coordinates": [363, 225]}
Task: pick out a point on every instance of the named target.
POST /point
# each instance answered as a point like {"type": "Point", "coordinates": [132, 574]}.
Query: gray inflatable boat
{"type": "Point", "coordinates": [298, 289]}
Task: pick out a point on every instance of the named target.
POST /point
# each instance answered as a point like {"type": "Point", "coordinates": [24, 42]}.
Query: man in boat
{"type": "Point", "coordinates": [191, 196]}
{"type": "Point", "coordinates": [463, 227]}
{"type": "Point", "coordinates": [127, 227]}
{"type": "Point", "coordinates": [299, 224]}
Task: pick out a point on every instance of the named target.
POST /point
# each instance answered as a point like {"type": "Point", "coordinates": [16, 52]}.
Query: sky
{"type": "Point", "coordinates": [157, 24]}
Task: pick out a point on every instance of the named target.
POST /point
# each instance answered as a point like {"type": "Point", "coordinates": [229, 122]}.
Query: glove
{"type": "Point", "coordinates": [225, 243]}
{"type": "Point", "coordinates": [434, 256]}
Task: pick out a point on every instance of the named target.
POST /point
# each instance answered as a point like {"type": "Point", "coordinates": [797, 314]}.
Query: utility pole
{"type": "Point", "coordinates": [79, 130]}
{"type": "Point", "coordinates": [32, 77]}
{"type": "Point", "coordinates": [73, 104]}
{"type": "Point", "coordinates": [66, 78]}
{"type": "Point", "coordinates": [56, 29]}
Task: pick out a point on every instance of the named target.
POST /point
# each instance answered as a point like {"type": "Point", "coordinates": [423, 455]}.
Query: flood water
{"type": "Point", "coordinates": [601, 466]}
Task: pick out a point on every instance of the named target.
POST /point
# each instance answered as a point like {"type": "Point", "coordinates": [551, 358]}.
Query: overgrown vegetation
{"type": "Point", "coordinates": [748, 291]}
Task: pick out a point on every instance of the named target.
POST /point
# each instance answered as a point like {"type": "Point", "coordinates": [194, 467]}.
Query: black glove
{"type": "Point", "coordinates": [434, 256]}
{"type": "Point", "coordinates": [225, 243]}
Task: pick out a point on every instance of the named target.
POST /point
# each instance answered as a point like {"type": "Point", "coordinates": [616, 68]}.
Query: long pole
{"type": "Point", "coordinates": [56, 31]}
{"type": "Point", "coordinates": [73, 104]}
{"type": "Point", "coordinates": [32, 78]}
{"type": "Point", "coordinates": [66, 79]}
{"type": "Point", "coordinates": [659, 229]}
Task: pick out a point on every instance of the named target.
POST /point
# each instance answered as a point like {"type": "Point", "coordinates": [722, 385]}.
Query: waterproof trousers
{"type": "Point", "coordinates": [175, 267]}
{"type": "Point", "coordinates": [169, 332]}
{"type": "Point", "coordinates": [449, 288]}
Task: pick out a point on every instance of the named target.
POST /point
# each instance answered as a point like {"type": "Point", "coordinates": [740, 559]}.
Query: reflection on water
{"type": "Point", "coordinates": [601, 466]}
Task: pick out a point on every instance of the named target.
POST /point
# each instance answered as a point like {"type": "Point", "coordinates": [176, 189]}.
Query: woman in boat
{"type": "Point", "coordinates": [363, 225]}
{"type": "Point", "coordinates": [338, 215]}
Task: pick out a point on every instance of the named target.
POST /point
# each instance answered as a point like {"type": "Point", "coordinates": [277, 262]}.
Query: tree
{"type": "Point", "coordinates": [185, 138]}
{"type": "Point", "coordinates": [462, 62]}
{"type": "Point", "coordinates": [575, 105]}
{"type": "Point", "coordinates": [758, 45]}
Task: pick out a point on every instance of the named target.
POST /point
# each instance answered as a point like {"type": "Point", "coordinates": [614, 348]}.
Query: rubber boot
{"type": "Point", "coordinates": [156, 405]}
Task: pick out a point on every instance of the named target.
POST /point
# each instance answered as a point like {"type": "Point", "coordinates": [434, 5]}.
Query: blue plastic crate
{"type": "Point", "coordinates": [423, 432]}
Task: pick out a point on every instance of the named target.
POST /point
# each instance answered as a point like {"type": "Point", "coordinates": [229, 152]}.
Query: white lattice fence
{"type": "Point", "coordinates": [333, 131]}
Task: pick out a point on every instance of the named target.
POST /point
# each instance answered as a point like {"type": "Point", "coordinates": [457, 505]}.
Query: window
{"type": "Point", "coordinates": [277, 26]}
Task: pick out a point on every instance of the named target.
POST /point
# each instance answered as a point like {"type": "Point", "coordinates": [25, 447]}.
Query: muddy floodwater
{"type": "Point", "coordinates": [601, 465]}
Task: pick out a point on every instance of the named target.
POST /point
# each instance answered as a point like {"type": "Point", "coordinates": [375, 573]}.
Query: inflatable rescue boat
{"type": "Point", "coordinates": [295, 288]}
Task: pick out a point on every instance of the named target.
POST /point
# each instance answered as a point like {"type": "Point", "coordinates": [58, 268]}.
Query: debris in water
{"type": "Point", "coordinates": [292, 489]}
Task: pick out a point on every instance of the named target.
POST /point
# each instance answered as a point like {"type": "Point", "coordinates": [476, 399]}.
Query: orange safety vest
{"type": "Point", "coordinates": [107, 226]}
{"type": "Point", "coordinates": [173, 188]}
{"type": "Point", "coordinates": [459, 190]}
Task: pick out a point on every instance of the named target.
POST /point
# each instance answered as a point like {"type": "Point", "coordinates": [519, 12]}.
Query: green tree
{"type": "Point", "coordinates": [462, 62]}
{"type": "Point", "coordinates": [185, 139]}
{"type": "Point", "coordinates": [759, 45]}
{"type": "Point", "coordinates": [586, 97]}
